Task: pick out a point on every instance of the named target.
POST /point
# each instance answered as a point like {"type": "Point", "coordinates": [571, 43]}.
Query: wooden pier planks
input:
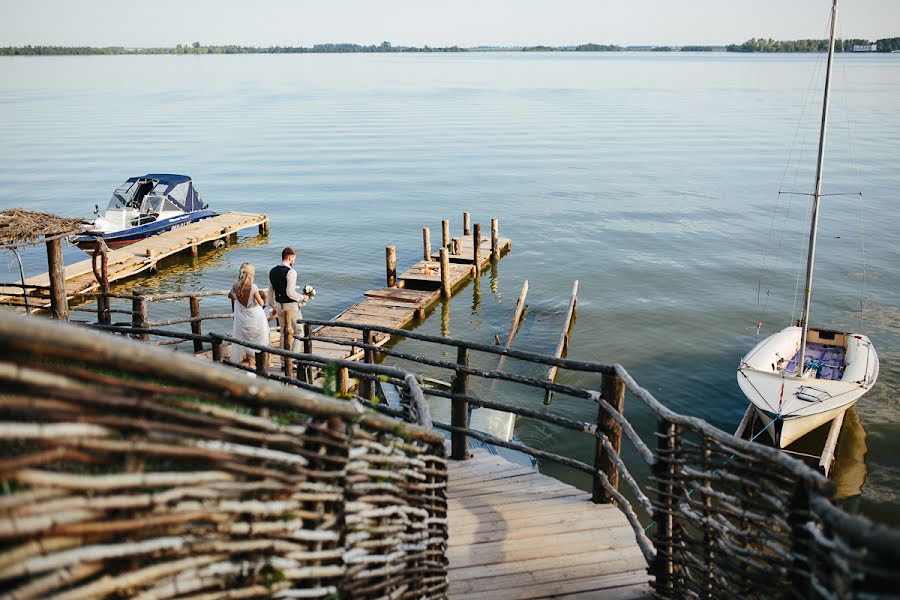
{"type": "Point", "coordinates": [515, 533]}
{"type": "Point", "coordinates": [142, 256]}
{"type": "Point", "coordinates": [466, 252]}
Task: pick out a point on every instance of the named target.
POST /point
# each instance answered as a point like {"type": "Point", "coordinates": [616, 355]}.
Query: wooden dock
{"type": "Point", "coordinates": [138, 257]}
{"type": "Point", "coordinates": [515, 533]}
{"type": "Point", "coordinates": [414, 292]}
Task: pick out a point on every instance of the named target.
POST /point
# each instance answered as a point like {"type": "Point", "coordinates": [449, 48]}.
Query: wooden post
{"type": "Point", "coordinates": [514, 327]}
{"type": "Point", "coordinates": [454, 247]}
{"type": "Point", "coordinates": [563, 341]}
{"type": "Point", "coordinates": [459, 411]}
{"type": "Point", "coordinates": [426, 243]}
{"type": "Point", "coordinates": [390, 259]}
{"type": "Point", "coordinates": [495, 239]}
{"type": "Point", "coordinates": [217, 353]}
{"type": "Point", "coordinates": [343, 382]}
{"type": "Point", "coordinates": [445, 233]}
{"type": "Point", "coordinates": [466, 223]}
{"type": "Point", "coordinates": [139, 318]}
{"type": "Point", "coordinates": [195, 249]}
{"type": "Point", "coordinates": [445, 273]}
{"type": "Point", "coordinates": [102, 277]}
{"type": "Point", "coordinates": [59, 303]}
{"type": "Point", "coordinates": [307, 349]}
{"type": "Point", "coordinates": [262, 363]}
{"type": "Point", "coordinates": [665, 470]}
{"type": "Point", "coordinates": [613, 391]}
{"type": "Point", "coordinates": [196, 325]}
{"type": "Point", "coordinates": [476, 248]}
{"type": "Point", "coordinates": [367, 387]}
{"type": "Point", "coordinates": [264, 227]}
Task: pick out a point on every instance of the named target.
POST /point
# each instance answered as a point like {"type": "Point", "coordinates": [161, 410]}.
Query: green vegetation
{"type": "Point", "coordinates": [889, 44]}
{"type": "Point", "coordinates": [770, 45]}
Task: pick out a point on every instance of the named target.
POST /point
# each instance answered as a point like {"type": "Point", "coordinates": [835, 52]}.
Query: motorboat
{"type": "Point", "coordinates": [144, 206]}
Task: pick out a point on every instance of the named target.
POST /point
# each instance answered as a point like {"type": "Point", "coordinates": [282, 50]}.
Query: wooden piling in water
{"type": "Point", "coordinates": [426, 243]}
{"type": "Point", "coordinates": [495, 239]}
{"type": "Point", "coordinates": [59, 303]}
{"type": "Point", "coordinates": [466, 223]}
{"type": "Point", "coordinates": [563, 340]}
{"type": "Point", "coordinates": [445, 234]}
{"type": "Point", "coordinates": [514, 326]}
{"type": "Point", "coordinates": [390, 259]}
{"type": "Point", "coordinates": [445, 273]}
{"type": "Point", "coordinates": [476, 248]}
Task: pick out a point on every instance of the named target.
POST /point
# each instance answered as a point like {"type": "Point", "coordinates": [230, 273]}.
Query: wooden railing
{"type": "Point", "coordinates": [726, 517]}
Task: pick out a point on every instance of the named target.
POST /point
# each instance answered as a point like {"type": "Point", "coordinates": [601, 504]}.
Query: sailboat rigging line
{"type": "Point", "coordinates": [821, 195]}
{"type": "Point", "coordinates": [820, 161]}
{"type": "Point", "coordinates": [750, 381]}
{"type": "Point", "coordinates": [772, 249]}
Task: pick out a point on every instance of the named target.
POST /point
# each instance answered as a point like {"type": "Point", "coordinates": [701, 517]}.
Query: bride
{"type": "Point", "coordinates": [250, 322]}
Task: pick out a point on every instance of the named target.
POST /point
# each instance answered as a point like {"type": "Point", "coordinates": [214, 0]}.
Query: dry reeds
{"type": "Point", "coordinates": [18, 225]}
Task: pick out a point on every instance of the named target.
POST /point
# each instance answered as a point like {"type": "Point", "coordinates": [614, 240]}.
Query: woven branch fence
{"type": "Point", "coordinates": [130, 472]}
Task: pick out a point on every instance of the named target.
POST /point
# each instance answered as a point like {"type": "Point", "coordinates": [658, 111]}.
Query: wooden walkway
{"type": "Point", "coordinates": [141, 256]}
{"type": "Point", "coordinates": [418, 289]}
{"type": "Point", "coordinates": [517, 534]}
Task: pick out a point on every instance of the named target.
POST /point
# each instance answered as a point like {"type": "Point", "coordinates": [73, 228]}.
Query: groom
{"type": "Point", "coordinates": [283, 296]}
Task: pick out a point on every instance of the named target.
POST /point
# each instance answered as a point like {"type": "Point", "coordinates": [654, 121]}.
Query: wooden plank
{"type": "Point", "coordinates": [562, 572]}
{"type": "Point", "coordinates": [563, 340]}
{"type": "Point", "coordinates": [560, 544]}
{"type": "Point", "coordinates": [479, 573]}
{"type": "Point", "coordinates": [535, 518]}
{"type": "Point", "coordinates": [603, 587]}
{"type": "Point", "coordinates": [429, 272]}
{"type": "Point", "coordinates": [417, 297]}
{"type": "Point", "coordinates": [484, 508]}
{"type": "Point", "coordinates": [466, 252]}
{"type": "Point", "coordinates": [596, 524]}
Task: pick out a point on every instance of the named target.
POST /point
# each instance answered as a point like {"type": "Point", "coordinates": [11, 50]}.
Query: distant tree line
{"type": "Point", "coordinates": [197, 48]}
{"type": "Point", "coordinates": [770, 45]}
{"type": "Point", "coordinates": [751, 45]}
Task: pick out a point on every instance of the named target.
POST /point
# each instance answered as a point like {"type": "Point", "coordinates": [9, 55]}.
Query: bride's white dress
{"type": "Point", "coordinates": [250, 325]}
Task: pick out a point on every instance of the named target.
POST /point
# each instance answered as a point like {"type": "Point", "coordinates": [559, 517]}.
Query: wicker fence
{"type": "Point", "coordinates": [130, 472]}
{"type": "Point", "coordinates": [718, 517]}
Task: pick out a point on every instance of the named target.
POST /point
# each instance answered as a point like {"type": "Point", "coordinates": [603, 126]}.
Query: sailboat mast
{"type": "Point", "coordinates": [814, 227]}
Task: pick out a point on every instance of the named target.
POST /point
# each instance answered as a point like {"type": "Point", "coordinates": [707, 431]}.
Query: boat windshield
{"type": "Point", "coordinates": [116, 203]}
{"type": "Point", "coordinates": [152, 204]}
{"type": "Point", "coordinates": [157, 204]}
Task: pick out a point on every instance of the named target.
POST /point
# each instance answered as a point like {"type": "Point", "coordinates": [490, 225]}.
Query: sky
{"type": "Point", "coordinates": [466, 23]}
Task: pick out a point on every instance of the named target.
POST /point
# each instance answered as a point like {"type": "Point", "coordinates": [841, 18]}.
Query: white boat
{"type": "Point", "coordinates": [793, 396]}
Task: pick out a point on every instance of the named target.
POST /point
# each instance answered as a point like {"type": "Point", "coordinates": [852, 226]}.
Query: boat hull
{"type": "Point", "coordinates": [123, 237]}
{"type": "Point", "coordinates": [790, 398]}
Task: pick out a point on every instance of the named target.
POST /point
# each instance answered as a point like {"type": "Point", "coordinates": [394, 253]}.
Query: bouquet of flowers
{"type": "Point", "coordinates": [310, 291]}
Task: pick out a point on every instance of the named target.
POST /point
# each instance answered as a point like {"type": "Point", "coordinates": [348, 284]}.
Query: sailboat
{"type": "Point", "coordinates": [801, 377]}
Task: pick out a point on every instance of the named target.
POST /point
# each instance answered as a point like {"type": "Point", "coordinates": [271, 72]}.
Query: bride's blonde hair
{"type": "Point", "coordinates": [245, 276]}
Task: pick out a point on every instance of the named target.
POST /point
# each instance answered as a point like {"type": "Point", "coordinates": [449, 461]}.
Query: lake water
{"type": "Point", "coordinates": [651, 178]}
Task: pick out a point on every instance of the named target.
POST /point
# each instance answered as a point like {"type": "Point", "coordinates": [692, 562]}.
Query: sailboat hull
{"type": "Point", "coordinates": [801, 397]}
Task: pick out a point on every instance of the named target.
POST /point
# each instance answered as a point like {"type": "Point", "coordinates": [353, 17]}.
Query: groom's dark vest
{"type": "Point", "coordinates": [278, 279]}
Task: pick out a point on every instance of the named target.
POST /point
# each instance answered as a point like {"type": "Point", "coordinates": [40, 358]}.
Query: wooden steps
{"type": "Point", "coordinates": [141, 256]}
{"type": "Point", "coordinates": [515, 533]}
